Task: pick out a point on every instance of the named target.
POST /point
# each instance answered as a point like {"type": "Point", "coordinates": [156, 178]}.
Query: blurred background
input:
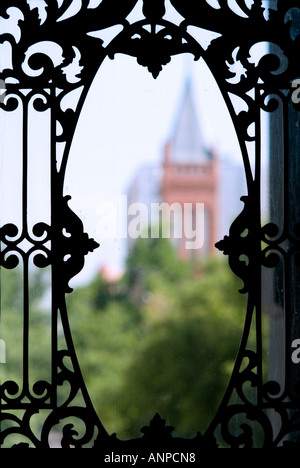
{"type": "Point", "coordinates": [156, 326]}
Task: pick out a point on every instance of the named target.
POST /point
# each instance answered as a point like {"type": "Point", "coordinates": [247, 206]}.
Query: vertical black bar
{"type": "Point", "coordinates": [54, 188]}
{"type": "Point", "coordinates": [25, 258]}
{"type": "Point", "coordinates": [25, 165]}
{"type": "Point", "coordinates": [287, 280]}
{"type": "Point", "coordinates": [26, 327]}
{"type": "Point", "coordinates": [258, 275]}
{"type": "Point", "coordinates": [285, 131]}
{"type": "Point", "coordinates": [293, 219]}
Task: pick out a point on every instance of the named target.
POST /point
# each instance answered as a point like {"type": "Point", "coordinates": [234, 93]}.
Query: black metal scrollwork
{"type": "Point", "coordinates": [54, 52]}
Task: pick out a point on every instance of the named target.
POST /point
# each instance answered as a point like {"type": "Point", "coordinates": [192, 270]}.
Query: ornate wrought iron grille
{"type": "Point", "coordinates": [31, 30]}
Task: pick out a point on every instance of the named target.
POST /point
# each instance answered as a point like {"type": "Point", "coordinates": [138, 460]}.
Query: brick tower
{"type": "Point", "coordinates": [190, 175]}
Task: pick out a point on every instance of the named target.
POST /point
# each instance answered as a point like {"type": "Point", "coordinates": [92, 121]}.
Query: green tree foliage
{"type": "Point", "coordinates": [163, 339]}
{"type": "Point", "coordinates": [12, 330]}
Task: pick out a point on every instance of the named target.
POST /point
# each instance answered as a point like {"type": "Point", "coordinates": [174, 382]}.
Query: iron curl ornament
{"type": "Point", "coordinates": [53, 49]}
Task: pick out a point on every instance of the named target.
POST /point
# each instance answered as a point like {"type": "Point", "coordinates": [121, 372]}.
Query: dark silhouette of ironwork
{"type": "Point", "coordinates": [37, 79]}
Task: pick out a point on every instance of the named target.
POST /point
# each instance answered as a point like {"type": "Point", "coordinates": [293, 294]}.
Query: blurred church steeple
{"type": "Point", "coordinates": [186, 141]}
{"type": "Point", "coordinates": [190, 170]}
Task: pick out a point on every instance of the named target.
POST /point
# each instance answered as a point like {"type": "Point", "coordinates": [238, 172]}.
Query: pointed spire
{"type": "Point", "coordinates": [187, 144]}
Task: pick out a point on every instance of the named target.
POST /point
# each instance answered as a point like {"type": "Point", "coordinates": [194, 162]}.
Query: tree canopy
{"type": "Point", "coordinates": [163, 339]}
